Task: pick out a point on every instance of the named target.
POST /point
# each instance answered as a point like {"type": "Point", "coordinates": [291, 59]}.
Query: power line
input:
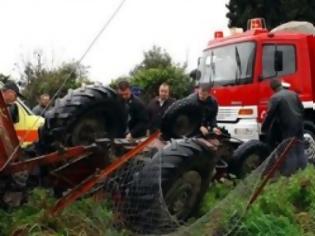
{"type": "Point", "coordinates": [107, 23]}
{"type": "Point", "coordinates": [103, 29]}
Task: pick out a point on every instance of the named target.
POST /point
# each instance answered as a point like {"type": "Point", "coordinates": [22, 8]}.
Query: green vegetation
{"type": "Point", "coordinates": [286, 207]}
{"type": "Point", "coordinates": [215, 194]}
{"type": "Point", "coordinates": [42, 80]}
{"type": "Point", "coordinates": [156, 68]}
{"type": "Point", "coordinates": [85, 217]}
{"type": "Point", "coordinates": [274, 11]}
{"type": "Point", "coordinates": [38, 77]}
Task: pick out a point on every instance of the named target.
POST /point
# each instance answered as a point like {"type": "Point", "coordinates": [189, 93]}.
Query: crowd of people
{"type": "Point", "coordinates": [284, 116]}
{"type": "Point", "coordinates": [142, 118]}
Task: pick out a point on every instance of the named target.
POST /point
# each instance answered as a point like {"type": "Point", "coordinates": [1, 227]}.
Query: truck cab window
{"type": "Point", "coordinates": [288, 59]}
{"type": "Point", "coordinates": [228, 65]}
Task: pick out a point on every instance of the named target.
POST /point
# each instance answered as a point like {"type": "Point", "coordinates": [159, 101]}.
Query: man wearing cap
{"type": "Point", "coordinates": [10, 92]}
{"type": "Point", "coordinates": [285, 120]}
{"type": "Point", "coordinates": [209, 107]}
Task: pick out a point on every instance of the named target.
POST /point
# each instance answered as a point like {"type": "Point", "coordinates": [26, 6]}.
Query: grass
{"type": "Point", "coordinates": [84, 217]}
{"type": "Point", "coordinates": [217, 191]}
{"type": "Point", "coordinates": [286, 207]}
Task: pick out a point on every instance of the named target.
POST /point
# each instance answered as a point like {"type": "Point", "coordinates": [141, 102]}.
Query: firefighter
{"type": "Point", "coordinates": [10, 92]}
{"type": "Point", "coordinates": [285, 120]}
{"type": "Point", "coordinates": [209, 107]}
{"type": "Point", "coordinates": [158, 106]}
{"type": "Point", "coordinates": [137, 122]}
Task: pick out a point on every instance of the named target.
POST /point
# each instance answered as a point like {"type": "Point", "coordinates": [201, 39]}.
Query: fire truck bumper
{"type": "Point", "coordinates": [244, 129]}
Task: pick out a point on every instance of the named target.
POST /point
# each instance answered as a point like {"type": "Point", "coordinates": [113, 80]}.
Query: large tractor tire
{"type": "Point", "coordinates": [84, 115]}
{"type": "Point", "coordinates": [171, 185]}
{"type": "Point", "coordinates": [248, 156]}
{"type": "Point", "coordinates": [181, 119]}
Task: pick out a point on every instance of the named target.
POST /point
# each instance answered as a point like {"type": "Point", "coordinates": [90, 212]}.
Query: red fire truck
{"type": "Point", "coordinates": [240, 67]}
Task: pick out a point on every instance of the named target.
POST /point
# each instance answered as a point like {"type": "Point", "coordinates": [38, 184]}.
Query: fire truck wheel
{"type": "Point", "coordinates": [181, 119]}
{"type": "Point", "coordinates": [248, 156]}
{"type": "Point", "coordinates": [309, 128]}
{"type": "Point", "coordinates": [174, 182]}
{"type": "Point", "coordinates": [83, 115]}
{"type": "Point", "coordinates": [309, 137]}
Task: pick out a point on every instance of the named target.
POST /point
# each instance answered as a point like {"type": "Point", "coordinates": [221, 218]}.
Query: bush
{"type": "Point", "coordinates": [285, 208]}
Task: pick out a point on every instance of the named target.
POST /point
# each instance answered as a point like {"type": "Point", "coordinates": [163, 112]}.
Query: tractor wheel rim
{"type": "Point", "coordinates": [183, 194]}
{"type": "Point", "coordinates": [88, 132]}
{"type": "Point", "coordinates": [183, 125]}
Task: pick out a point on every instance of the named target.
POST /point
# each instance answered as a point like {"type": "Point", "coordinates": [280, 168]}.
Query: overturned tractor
{"type": "Point", "coordinates": [80, 152]}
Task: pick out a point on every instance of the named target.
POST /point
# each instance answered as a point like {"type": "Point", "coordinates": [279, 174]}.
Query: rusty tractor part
{"type": "Point", "coordinates": [63, 167]}
{"type": "Point", "coordinates": [101, 175]}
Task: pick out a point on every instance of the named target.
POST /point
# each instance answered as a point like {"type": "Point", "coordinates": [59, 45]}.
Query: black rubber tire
{"type": "Point", "coordinates": [159, 175]}
{"type": "Point", "coordinates": [309, 128]}
{"type": "Point", "coordinates": [92, 110]}
{"type": "Point", "coordinates": [250, 149]}
{"type": "Point", "coordinates": [181, 119]}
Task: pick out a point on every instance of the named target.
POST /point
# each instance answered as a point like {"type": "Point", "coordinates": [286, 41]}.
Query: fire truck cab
{"type": "Point", "coordinates": [240, 67]}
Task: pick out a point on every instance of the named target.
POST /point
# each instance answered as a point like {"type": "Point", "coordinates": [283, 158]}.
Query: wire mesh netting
{"type": "Point", "coordinates": [159, 191]}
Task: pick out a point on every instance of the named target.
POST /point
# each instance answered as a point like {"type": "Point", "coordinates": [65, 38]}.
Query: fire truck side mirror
{"type": "Point", "coordinates": [278, 61]}
{"type": "Point", "coordinates": [195, 74]}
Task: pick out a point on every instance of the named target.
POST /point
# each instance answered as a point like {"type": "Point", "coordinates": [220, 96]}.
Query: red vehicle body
{"type": "Point", "coordinates": [240, 68]}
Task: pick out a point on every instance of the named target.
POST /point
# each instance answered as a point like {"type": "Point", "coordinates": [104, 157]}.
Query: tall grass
{"type": "Point", "coordinates": [84, 217]}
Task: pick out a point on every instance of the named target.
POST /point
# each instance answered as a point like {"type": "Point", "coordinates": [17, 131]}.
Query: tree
{"type": "Point", "coordinates": [154, 58]}
{"type": "Point", "coordinates": [4, 78]}
{"type": "Point", "coordinates": [149, 81]}
{"type": "Point", "coordinates": [275, 12]}
{"type": "Point", "coordinates": [37, 79]}
{"type": "Point", "coordinates": [156, 68]}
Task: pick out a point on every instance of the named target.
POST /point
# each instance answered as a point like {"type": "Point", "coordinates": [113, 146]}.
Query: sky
{"type": "Point", "coordinates": [63, 29]}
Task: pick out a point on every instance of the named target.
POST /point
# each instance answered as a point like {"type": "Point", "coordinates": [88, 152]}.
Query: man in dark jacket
{"type": "Point", "coordinates": [136, 110]}
{"type": "Point", "coordinates": [209, 108]}
{"type": "Point", "coordinates": [158, 106]}
{"type": "Point", "coordinates": [43, 102]}
{"type": "Point", "coordinates": [285, 120]}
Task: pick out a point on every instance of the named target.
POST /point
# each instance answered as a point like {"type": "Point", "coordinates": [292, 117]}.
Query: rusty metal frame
{"type": "Point", "coordinates": [52, 158]}
{"type": "Point", "coordinates": [9, 143]}
{"type": "Point", "coordinates": [101, 175]}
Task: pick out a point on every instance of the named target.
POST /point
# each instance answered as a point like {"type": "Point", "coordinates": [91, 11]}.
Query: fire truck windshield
{"type": "Point", "coordinates": [228, 65]}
